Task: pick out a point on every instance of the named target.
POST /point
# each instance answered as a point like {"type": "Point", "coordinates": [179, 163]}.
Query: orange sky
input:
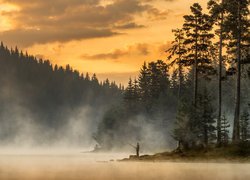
{"type": "Point", "coordinates": [109, 37]}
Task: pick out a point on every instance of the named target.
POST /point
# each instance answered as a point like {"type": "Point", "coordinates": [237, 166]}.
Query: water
{"type": "Point", "coordinates": [82, 166]}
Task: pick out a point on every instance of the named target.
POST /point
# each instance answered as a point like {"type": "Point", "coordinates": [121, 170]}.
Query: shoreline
{"type": "Point", "coordinates": [189, 157]}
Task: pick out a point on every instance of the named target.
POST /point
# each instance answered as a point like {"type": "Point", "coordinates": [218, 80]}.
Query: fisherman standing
{"type": "Point", "coordinates": [138, 150]}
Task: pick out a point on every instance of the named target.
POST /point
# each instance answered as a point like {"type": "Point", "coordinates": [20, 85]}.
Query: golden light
{"type": "Point", "coordinates": [5, 20]}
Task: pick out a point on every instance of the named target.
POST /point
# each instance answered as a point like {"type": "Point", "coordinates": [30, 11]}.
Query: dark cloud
{"type": "Point", "coordinates": [129, 26]}
{"type": "Point", "coordinates": [32, 36]}
{"type": "Point", "coordinates": [42, 21]}
{"type": "Point", "coordinates": [141, 49]}
{"type": "Point", "coordinates": [112, 55]}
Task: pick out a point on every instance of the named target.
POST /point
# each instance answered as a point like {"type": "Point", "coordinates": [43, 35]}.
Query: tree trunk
{"type": "Point", "coordinates": [196, 67]}
{"type": "Point", "coordinates": [236, 128]}
{"type": "Point", "coordinates": [180, 83]}
{"type": "Point", "coordinates": [220, 81]}
{"type": "Point", "coordinates": [180, 71]}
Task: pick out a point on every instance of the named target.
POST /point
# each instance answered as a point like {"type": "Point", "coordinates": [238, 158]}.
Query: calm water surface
{"type": "Point", "coordinates": [82, 166]}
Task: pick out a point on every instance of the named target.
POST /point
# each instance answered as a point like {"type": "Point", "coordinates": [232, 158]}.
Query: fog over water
{"type": "Point", "coordinates": [74, 166]}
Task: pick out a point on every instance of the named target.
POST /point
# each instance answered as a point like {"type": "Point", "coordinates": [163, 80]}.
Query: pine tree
{"type": "Point", "coordinates": [163, 76]}
{"type": "Point", "coordinates": [206, 116]}
{"type": "Point", "coordinates": [176, 57]}
{"type": "Point", "coordinates": [237, 23]}
{"type": "Point", "coordinates": [154, 86]}
{"type": "Point", "coordinates": [198, 28]}
{"type": "Point", "coordinates": [132, 96]}
{"type": "Point", "coordinates": [244, 126]}
{"type": "Point", "coordinates": [144, 85]}
{"type": "Point", "coordinates": [195, 125]}
{"type": "Point", "coordinates": [217, 11]}
{"type": "Point", "coordinates": [129, 95]}
{"type": "Point", "coordinates": [94, 79]}
{"type": "Point", "coordinates": [87, 78]}
{"type": "Point", "coordinates": [174, 82]}
{"type": "Point", "coordinates": [224, 130]}
{"type": "Point", "coordinates": [183, 127]}
{"type": "Point", "coordinates": [136, 91]}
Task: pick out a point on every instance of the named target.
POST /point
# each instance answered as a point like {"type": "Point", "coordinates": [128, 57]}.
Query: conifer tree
{"type": "Point", "coordinates": [174, 82]}
{"type": "Point", "coordinates": [182, 131]}
{"type": "Point", "coordinates": [163, 76]}
{"type": "Point", "coordinates": [94, 79]}
{"type": "Point", "coordinates": [244, 125]}
{"type": "Point", "coordinates": [129, 95]}
{"type": "Point", "coordinates": [206, 118]}
{"type": "Point", "coordinates": [224, 130]}
{"type": "Point", "coordinates": [176, 57]}
{"type": "Point", "coordinates": [136, 92]}
{"type": "Point", "coordinates": [237, 25]}
{"type": "Point", "coordinates": [217, 11]}
{"type": "Point", "coordinates": [144, 85]}
{"type": "Point", "coordinates": [154, 87]}
{"type": "Point", "coordinates": [198, 28]}
{"type": "Point", "coordinates": [87, 78]}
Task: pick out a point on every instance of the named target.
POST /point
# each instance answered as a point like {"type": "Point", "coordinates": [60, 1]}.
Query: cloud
{"type": "Point", "coordinates": [143, 49]}
{"type": "Point", "coordinates": [156, 14]}
{"type": "Point", "coordinates": [129, 26]}
{"type": "Point", "coordinates": [138, 49]}
{"type": "Point", "coordinates": [32, 36]}
{"type": "Point", "coordinates": [112, 55]}
{"type": "Point", "coordinates": [42, 21]}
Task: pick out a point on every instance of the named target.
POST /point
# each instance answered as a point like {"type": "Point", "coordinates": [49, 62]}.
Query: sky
{"type": "Point", "coordinates": [111, 38]}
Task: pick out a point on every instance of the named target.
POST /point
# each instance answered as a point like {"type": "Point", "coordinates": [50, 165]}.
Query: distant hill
{"type": "Point", "coordinates": [33, 91]}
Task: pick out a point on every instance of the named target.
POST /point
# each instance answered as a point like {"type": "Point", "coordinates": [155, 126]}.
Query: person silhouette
{"type": "Point", "coordinates": [138, 150]}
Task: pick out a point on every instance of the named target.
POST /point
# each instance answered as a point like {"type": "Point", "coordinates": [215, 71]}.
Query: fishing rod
{"type": "Point", "coordinates": [131, 145]}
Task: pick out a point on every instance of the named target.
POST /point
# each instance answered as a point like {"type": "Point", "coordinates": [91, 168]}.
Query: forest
{"type": "Point", "coordinates": [33, 91]}
{"type": "Point", "coordinates": [199, 95]}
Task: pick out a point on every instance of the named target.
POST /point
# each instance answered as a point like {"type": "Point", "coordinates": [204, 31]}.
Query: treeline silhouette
{"type": "Point", "coordinates": [49, 92]}
{"type": "Point", "coordinates": [146, 112]}
{"type": "Point", "coordinates": [200, 96]}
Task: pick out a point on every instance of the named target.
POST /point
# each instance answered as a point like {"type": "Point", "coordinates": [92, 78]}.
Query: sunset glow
{"type": "Point", "coordinates": [110, 37]}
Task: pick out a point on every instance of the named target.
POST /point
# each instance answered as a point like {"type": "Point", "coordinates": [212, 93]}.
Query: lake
{"type": "Point", "coordinates": [84, 166]}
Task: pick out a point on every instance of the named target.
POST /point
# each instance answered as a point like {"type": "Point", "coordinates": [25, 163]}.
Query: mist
{"type": "Point", "coordinates": [22, 129]}
{"type": "Point", "coordinates": [45, 106]}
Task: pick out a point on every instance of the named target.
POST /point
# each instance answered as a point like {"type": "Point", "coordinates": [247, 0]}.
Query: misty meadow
{"type": "Point", "coordinates": [76, 95]}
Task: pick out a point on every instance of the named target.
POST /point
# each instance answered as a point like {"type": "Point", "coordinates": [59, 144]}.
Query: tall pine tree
{"type": "Point", "coordinates": [198, 41]}
{"type": "Point", "coordinates": [176, 56]}
{"type": "Point", "coordinates": [237, 25]}
{"type": "Point", "coordinates": [217, 11]}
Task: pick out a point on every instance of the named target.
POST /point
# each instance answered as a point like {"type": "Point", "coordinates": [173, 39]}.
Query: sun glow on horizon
{"type": "Point", "coordinates": [119, 37]}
